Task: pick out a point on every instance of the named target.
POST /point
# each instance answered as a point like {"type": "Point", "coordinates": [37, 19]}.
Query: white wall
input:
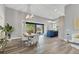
{"type": "Point", "coordinates": [2, 19]}
{"type": "Point", "coordinates": [61, 27]}
{"type": "Point", "coordinates": [16, 19]}
{"type": "Point", "coordinates": [12, 17]}
{"type": "Point", "coordinates": [2, 15]}
{"type": "Point", "coordinates": [71, 13]}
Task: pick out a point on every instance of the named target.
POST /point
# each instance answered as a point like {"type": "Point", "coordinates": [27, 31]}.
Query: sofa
{"type": "Point", "coordinates": [52, 33]}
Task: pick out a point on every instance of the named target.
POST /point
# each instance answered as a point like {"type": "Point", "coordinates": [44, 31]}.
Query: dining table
{"type": "Point", "coordinates": [29, 38]}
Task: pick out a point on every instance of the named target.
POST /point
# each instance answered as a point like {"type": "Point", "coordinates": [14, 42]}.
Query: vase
{"type": "Point", "coordinates": [8, 35]}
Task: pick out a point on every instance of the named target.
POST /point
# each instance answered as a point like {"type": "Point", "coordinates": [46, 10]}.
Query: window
{"type": "Point", "coordinates": [55, 26]}
{"type": "Point", "coordinates": [34, 28]}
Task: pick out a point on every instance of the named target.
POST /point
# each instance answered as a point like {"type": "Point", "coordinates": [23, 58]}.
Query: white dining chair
{"type": "Point", "coordinates": [34, 39]}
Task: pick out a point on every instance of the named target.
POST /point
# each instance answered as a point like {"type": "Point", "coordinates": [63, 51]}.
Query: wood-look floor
{"type": "Point", "coordinates": [46, 46]}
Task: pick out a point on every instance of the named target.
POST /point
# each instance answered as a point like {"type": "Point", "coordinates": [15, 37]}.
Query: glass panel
{"type": "Point", "coordinates": [39, 29]}
{"type": "Point", "coordinates": [55, 26]}
{"type": "Point", "coordinates": [34, 28]}
{"type": "Point", "coordinates": [30, 28]}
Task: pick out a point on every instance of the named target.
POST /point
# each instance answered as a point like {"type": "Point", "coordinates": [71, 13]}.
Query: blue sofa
{"type": "Point", "coordinates": [52, 33]}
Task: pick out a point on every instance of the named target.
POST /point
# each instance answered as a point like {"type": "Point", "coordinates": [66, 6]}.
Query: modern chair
{"type": "Point", "coordinates": [34, 40]}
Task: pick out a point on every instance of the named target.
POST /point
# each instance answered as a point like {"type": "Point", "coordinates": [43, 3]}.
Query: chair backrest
{"type": "Point", "coordinates": [35, 38]}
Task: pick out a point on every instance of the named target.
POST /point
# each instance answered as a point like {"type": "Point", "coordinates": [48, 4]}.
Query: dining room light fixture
{"type": "Point", "coordinates": [29, 12]}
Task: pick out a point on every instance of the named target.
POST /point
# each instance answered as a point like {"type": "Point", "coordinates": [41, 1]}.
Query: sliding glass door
{"type": "Point", "coordinates": [34, 28]}
{"type": "Point", "coordinates": [30, 28]}
{"type": "Point", "coordinates": [39, 28]}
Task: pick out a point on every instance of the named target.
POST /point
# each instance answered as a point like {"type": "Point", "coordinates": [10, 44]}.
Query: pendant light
{"type": "Point", "coordinates": [29, 14]}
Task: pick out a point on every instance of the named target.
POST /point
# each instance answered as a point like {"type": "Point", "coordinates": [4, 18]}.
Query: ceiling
{"type": "Point", "coordinates": [50, 11]}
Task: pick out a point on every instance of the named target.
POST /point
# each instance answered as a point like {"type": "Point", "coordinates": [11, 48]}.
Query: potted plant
{"type": "Point", "coordinates": [7, 29]}
{"type": "Point", "coordinates": [29, 32]}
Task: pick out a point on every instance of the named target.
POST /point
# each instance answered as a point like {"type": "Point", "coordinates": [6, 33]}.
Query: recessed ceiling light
{"type": "Point", "coordinates": [51, 21]}
{"type": "Point", "coordinates": [38, 8]}
{"type": "Point", "coordinates": [55, 10]}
